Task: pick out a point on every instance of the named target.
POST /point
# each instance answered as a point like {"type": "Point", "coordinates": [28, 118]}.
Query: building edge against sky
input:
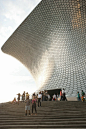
{"type": "Point", "coordinates": [51, 43]}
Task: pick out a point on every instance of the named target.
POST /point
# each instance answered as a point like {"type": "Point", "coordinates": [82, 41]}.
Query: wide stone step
{"type": "Point", "coordinates": [47, 117]}
{"type": "Point", "coordinates": [42, 123]}
{"type": "Point", "coordinates": [46, 128]}
{"type": "Point", "coordinates": [44, 120]}
{"type": "Point", "coordinates": [50, 115]}
{"type": "Point", "coordinates": [43, 126]}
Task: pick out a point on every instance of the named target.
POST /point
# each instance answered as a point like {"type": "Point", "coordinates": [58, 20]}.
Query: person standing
{"type": "Point", "coordinates": [34, 94]}
{"type": "Point", "coordinates": [63, 91]}
{"type": "Point", "coordinates": [64, 95]}
{"type": "Point", "coordinates": [46, 95]}
{"type": "Point", "coordinates": [61, 96]}
{"type": "Point", "coordinates": [78, 96]}
{"type": "Point", "coordinates": [27, 95]}
{"type": "Point", "coordinates": [83, 96]}
{"type": "Point", "coordinates": [18, 97]}
{"type": "Point", "coordinates": [83, 93]}
{"type": "Point", "coordinates": [24, 96]}
{"type": "Point", "coordinates": [42, 95]}
{"type": "Point", "coordinates": [39, 98]}
{"type": "Point", "coordinates": [34, 105]}
{"type": "Point", "coordinates": [27, 106]}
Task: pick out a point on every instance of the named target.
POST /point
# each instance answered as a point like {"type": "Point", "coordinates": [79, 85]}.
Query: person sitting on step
{"type": "Point", "coordinates": [14, 100]}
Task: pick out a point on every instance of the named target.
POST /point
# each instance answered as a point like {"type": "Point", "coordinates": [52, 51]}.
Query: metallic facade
{"type": "Point", "coordinates": [51, 43]}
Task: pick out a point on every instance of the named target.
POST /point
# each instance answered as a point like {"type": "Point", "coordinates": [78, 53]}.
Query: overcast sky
{"type": "Point", "coordinates": [14, 77]}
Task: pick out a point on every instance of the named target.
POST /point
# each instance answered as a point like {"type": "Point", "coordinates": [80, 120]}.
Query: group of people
{"type": "Point", "coordinates": [25, 98]}
{"type": "Point", "coordinates": [35, 99]}
{"type": "Point", "coordinates": [81, 97]}
{"type": "Point", "coordinates": [18, 98]}
{"type": "Point", "coordinates": [42, 96]}
{"type": "Point", "coordinates": [63, 95]}
{"type": "Point", "coordinates": [45, 95]}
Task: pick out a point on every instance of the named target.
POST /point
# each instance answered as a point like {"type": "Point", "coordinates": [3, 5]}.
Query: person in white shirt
{"type": "Point", "coordinates": [39, 98]}
{"type": "Point", "coordinates": [63, 91]}
{"type": "Point", "coordinates": [54, 97]}
{"type": "Point", "coordinates": [64, 95]}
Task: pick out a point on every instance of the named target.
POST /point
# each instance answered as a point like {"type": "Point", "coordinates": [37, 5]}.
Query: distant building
{"type": "Point", "coordinates": [51, 43]}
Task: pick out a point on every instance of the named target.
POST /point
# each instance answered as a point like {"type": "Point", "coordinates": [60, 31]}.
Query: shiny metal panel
{"type": "Point", "coordinates": [51, 43]}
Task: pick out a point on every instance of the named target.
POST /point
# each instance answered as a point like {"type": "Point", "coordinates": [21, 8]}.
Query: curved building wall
{"type": "Point", "coordinates": [51, 43]}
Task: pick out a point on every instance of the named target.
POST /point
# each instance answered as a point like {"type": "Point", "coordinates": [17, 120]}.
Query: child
{"type": "Point", "coordinates": [27, 106]}
{"type": "Point", "coordinates": [34, 105]}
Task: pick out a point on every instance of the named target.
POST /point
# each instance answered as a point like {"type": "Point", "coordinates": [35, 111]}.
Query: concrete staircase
{"type": "Point", "coordinates": [52, 114]}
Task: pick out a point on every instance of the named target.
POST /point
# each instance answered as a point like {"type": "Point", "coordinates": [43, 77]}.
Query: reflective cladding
{"type": "Point", "coordinates": [51, 43]}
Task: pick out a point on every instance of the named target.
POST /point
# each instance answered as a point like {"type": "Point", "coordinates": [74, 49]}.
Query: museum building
{"type": "Point", "coordinates": [51, 43]}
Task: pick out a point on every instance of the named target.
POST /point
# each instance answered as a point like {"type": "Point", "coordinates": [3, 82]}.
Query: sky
{"type": "Point", "coordinates": [14, 76]}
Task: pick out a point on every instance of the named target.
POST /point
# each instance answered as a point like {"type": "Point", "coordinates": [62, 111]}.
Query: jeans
{"type": "Point", "coordinates": [39, 101]}
{"type": "Point", "coordinates": [34, 107]}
